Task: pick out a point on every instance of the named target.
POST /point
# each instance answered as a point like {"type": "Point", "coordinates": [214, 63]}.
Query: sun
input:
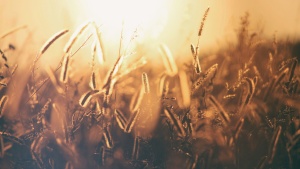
{"type": "Point", "coordinates": [113, 15]}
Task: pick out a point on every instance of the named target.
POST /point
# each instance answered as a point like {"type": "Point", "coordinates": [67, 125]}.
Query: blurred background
{"type": "Point", "coordinates": [175, 23]}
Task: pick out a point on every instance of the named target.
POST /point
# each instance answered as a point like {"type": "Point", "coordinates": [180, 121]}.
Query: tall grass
{"type": "Point", "coordinates": [240, 109]}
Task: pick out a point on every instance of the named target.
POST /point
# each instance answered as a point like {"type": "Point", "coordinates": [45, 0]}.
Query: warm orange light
{"type": "Point", "coordinates": [146, 15]}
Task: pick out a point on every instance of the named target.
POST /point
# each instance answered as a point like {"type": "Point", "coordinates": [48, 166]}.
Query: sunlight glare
{"type": "Point", "coordinates": [147, 15]}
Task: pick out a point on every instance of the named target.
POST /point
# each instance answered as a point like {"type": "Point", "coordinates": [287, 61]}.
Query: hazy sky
{"type": "Point", "coordinates": [45, 17]}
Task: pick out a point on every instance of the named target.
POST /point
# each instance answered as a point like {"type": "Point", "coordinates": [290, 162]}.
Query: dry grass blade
{"type": "Point", "coordinates": [293, 67]}
{"type": "Point", "coordinates": [196, 61]}
{"type": "Point", "coordinates": [12, 31]}
{"type": "Point", "coordinates": [11, 138]}
{"type": "Point", "coordinates": [250, 92]}
{"type": "Point", "coordinates": [120, 118]}
{"type": "Point", "coordinates": [3, 103]}
{"type": "Point", "coordinates": [86, 97]}
{"type": "Point", "coordinates": [54, 80]}
{"type": "Point", "coordinates": [131, 122]}
{"type": "Point", "coordinates": [37, 158]}
{"type": "Point", "coordinates": [197, 65]}
{"type": "Point", "coordinates": [292, 63]}
{"type": "Point", "coordinates": [113, 72]}
{"type": "Point", "coordinates": [168, 60]}
{"type": "Point", "coordinates": [135, 65]}
{"type": "Point", "coordinates": [1, 147]}
{"type": "Point", "coordinates": [161, 85]}
{"type": "Point", "coordinates": [65, 69]}
{"type": "Point", "coordinates": [262, 163]}
{"type": "Point", "coordinates": [99, 44]}
{"type": "Point", "coordinates": [75, 36]}
{"type": "Point", "coordinates": [220, 108]}
{"type": "Point", "coordinates": [275, 82]}
{"type": "Point", "coordinates": [13, 71]}
{"type": "Point", "coordinates": [175, 121]}
{"type": "Point", "coordinates": [273, 145]}
{"type": "Point", "coordinates": [238, 128]}
{"type": "Point", "coordinates": [185, 89]}
{"type": "Point", "coordinates": [136, 100]}
{"type": "Point", "coordinates": [107, 137]}
{"type": "Point", "coordinates": [269, 89]}
{"type": "Point", "coordinates": [193, 50]}
{"type": "Point", "coordinates": [145, 83]}
{"type": "Point", "coordinates": [281, 77]}
{"type": "Point", "coordinates": [69, 165]}
{"type": "Point", "coordinates": [63, 119]}
{"type": "Point", "coordinates": [195, 161]}
{"type": "Point", "coordinates": [136, 148]}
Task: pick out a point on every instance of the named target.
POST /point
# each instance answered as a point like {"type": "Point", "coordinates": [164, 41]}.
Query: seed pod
{"type": "Point", "coordinates": [86, 97]}
{"type": "Point", "coordinates": [93, 84]}
{"type": "Point", "coordinates": [51, 40]}
{"type": "Point", "coordinates": [209, 75]}
{"type": "Point", "coordinates": [203, 21]}
{"type": "Point", "coordinates": [75, 36]}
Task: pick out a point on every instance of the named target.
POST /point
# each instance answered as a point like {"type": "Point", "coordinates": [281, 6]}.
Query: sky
{"type": "Point", "coordinates": [176, 25]}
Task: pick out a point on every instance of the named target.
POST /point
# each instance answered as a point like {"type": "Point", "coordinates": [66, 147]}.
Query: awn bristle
{"type": "Point", "coordinates": [12, 31]}
{"type": "Point", "coordinates": [99, 44]}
